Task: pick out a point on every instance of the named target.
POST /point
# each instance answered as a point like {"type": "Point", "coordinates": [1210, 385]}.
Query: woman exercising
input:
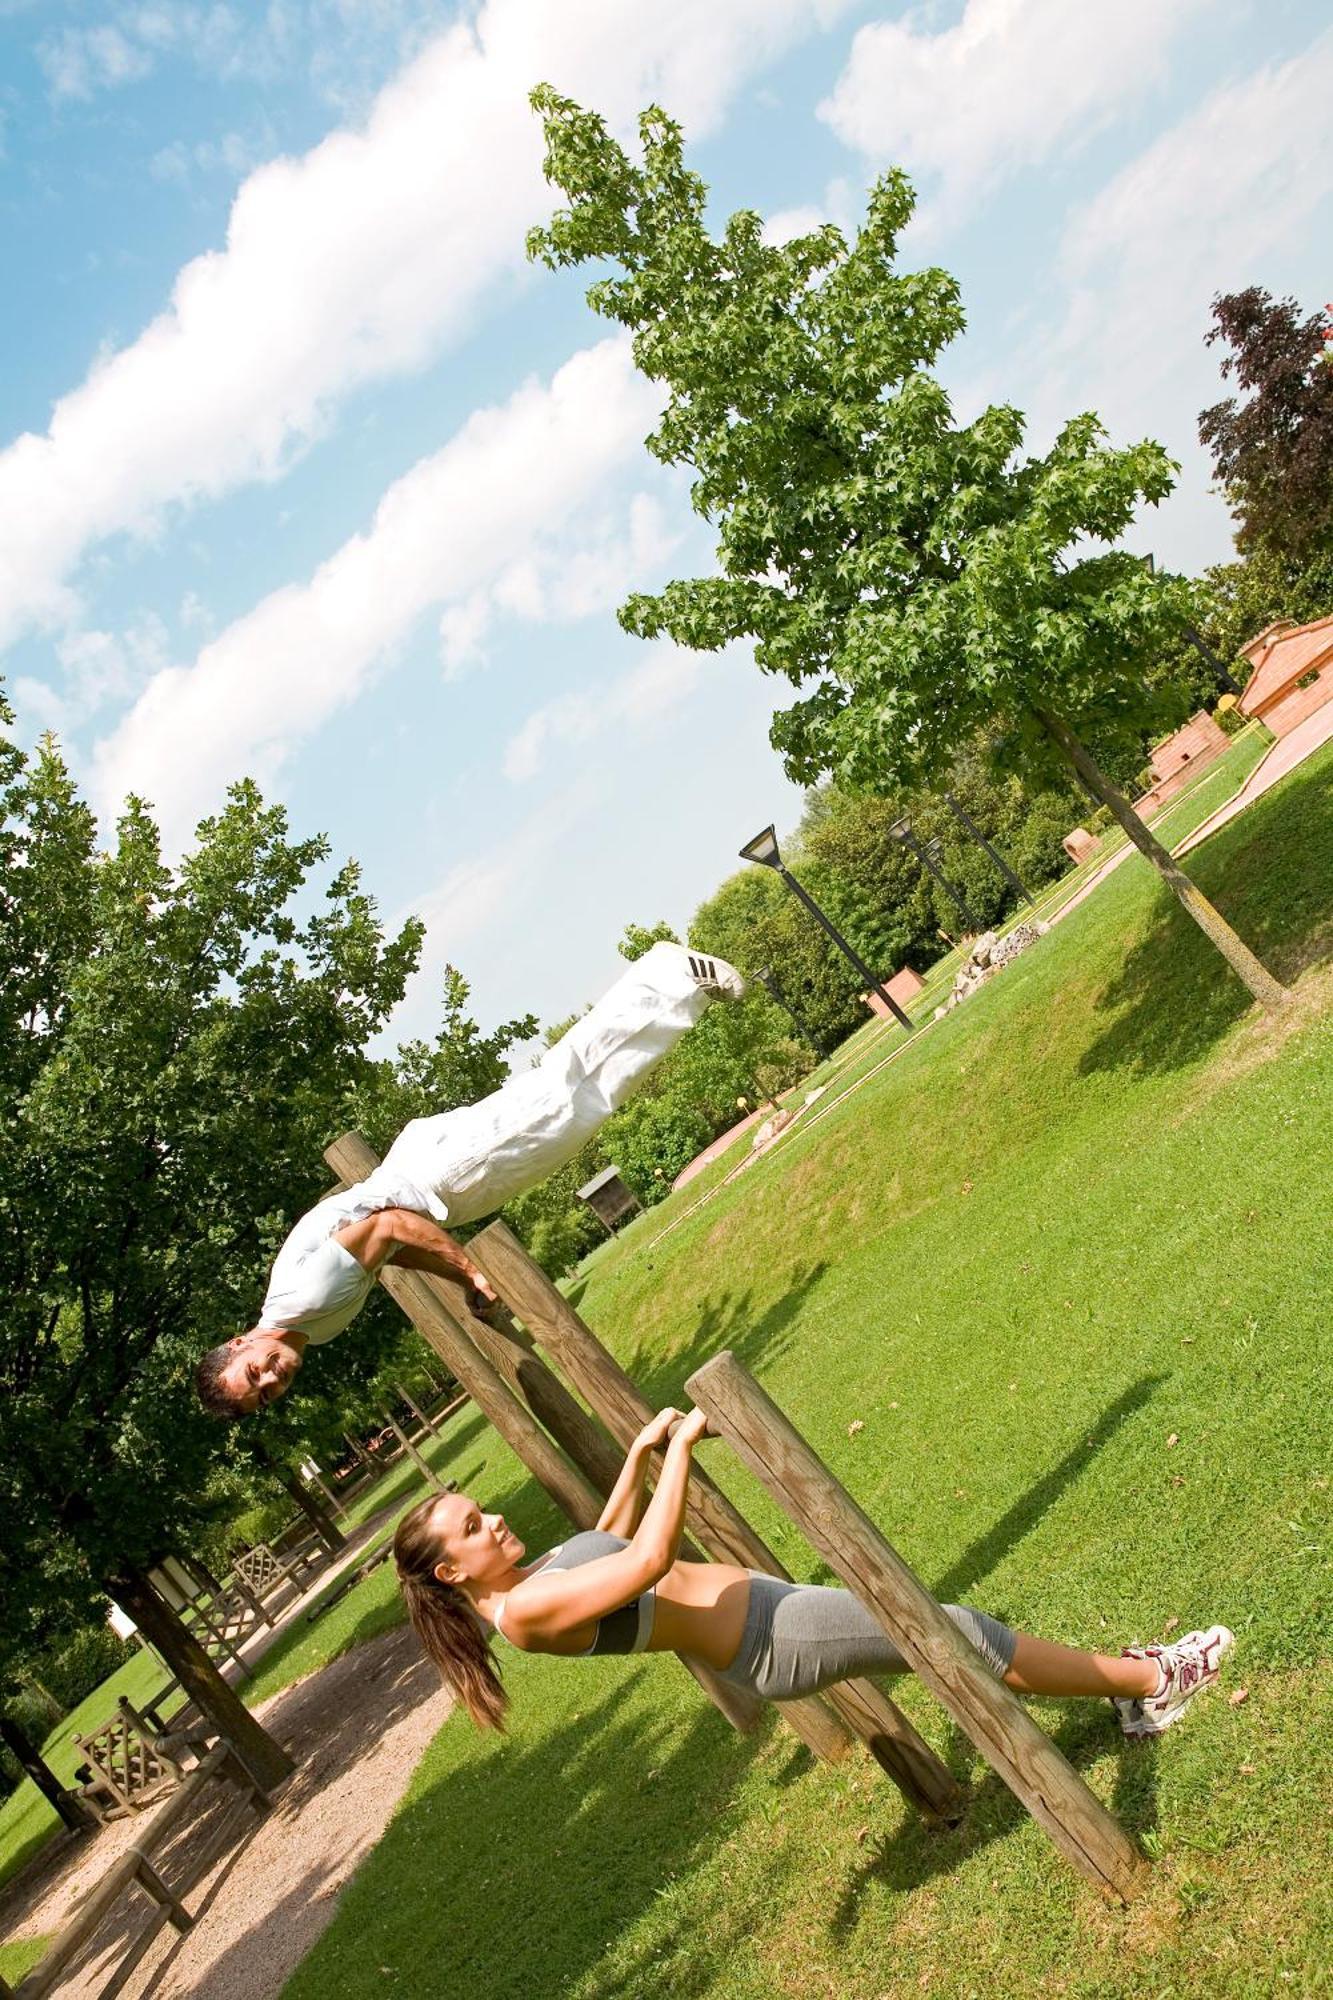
{"type": "Point", "coordinates": [620, 1588]}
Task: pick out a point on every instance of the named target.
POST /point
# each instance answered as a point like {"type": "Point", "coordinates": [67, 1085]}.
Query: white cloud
{"type": "Point", "coordinates": [839, 205]}
{"type": "Point", "coordinates": [1010, 83]}
{"type": "Point", "coordinates": [635, 702]}
{"type": "Point", "coordinates": [79, 61]}
{"type": "Point", "coordinates": [554, 580]}
{"type": "Point", "coordinates": [352, 263]}
{"type": "Point", "coordinates": [509, 482]}
{"type": "Point", "coordinates": [1227, 197]}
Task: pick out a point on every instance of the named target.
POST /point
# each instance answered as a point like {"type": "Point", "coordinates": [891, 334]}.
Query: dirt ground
{"type": "Point", "coordinates": [357, 1730]}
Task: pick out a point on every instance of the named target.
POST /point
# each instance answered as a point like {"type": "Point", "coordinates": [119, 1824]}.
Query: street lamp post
{"type": "Point", "coordinates": [902, 830]}
{"type": "Point", "coordinates": [779, 999]}
{"type": "Point", "coordinates": [969, 825]}
{"type": "Point", "coordinates": [763, 849]}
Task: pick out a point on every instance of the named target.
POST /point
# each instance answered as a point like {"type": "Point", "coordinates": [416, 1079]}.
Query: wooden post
{"type": "Point", "coordinates": [323, 1523]}
{"type": "Point", "coordinates": [416, 1409]}
{"type": "Point", "coordinates": [61, 1800]}
{"type": "Point", "coordinates": [990, 1713]}
{"type": "Point", "coordinates": [423, 1466]}
{"type": "Point", "coordinates": [724, 1532]}
{"type": "Point", "coordinates": [715, 1523]}
{"type": "Point", "coordinates": [581, 1439]}
{"type": "Point", "coordinates": [572, 1487]}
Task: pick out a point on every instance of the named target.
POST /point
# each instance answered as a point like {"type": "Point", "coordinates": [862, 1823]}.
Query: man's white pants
{"type": "Point", "coordinates": [475, 1159]}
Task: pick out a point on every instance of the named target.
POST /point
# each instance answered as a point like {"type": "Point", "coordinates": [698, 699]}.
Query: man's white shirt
{"type": "Point", "coordinates": [316, 1286]}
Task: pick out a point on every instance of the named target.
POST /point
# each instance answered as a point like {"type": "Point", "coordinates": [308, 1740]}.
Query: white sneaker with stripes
{"type": "Point", "coordinates": [1186, 1668]}
{"type": "Point", "coordinates": [714, 975]}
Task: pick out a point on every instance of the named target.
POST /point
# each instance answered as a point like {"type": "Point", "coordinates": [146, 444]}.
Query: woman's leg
{"type": "Point", "coordinates": [1039, 1666]}
{"type": "Point", "coordinates": [800, 1638]}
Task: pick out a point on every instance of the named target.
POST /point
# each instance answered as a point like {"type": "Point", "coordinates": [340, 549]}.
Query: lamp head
{"type": "Point", "coordinates": [763, 849]}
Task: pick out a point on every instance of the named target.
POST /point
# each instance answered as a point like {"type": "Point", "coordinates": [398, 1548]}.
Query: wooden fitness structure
{"type": "Point", "coordinates": [577, 1459]}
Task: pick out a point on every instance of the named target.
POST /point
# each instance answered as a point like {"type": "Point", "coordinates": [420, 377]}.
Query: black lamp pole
{"type": "Point", "coordinates": [776, 995]}
{"type": "Point", "coordinates": [969, 825]}
{"type": "Point", "coordinates": [902, 830]}
{"type": "Point", "coordinates": [763, 849]}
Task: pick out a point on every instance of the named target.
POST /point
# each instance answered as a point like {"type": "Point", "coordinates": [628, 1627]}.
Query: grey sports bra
{"type": "Point", "coordinates": [625, 1630]}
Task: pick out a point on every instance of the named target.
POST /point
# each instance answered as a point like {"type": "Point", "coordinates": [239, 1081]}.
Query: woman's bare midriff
{"type": "Point", "coordinates": [701, 1610]}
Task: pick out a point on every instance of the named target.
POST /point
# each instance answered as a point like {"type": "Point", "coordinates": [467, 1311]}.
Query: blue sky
{"type": "Point", "coordinates": [305, 474]}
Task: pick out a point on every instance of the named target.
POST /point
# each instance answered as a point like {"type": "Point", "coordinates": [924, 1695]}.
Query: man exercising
{"type": "Point", "coordinates": [456, 1167]}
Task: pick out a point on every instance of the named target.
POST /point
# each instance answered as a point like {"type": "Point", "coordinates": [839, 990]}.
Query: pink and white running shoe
{"type": "Point", "coordinates": [1194, 1662]}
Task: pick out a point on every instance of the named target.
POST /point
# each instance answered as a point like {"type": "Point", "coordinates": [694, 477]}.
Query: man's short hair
{"type": "Point", "coordinates": [210, 1380]}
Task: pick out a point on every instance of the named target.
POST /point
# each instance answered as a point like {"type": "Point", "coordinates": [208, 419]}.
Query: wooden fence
{"type": "Point", "coordinates": [137, 1872]}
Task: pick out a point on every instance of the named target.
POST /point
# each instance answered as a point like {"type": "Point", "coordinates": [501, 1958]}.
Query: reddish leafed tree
{"type": "Point", "coordinates": [1272, 445]}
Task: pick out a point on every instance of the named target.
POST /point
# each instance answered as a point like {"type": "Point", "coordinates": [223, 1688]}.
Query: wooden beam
{"type": "Point", "coordinates": [510, 1354]}
{"type": "Point", "coordinates": [574, 1488]}
{"type": "Point", "coordinates": [990, 1713]}
{"type": "Point", "coordinates": [622, 1407]}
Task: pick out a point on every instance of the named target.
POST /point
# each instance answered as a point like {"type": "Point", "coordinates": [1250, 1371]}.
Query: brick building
{"type": "Point", "coordinates": [1293, 673]}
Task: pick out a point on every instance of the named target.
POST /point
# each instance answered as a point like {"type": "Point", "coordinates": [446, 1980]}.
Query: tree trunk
{"type": "Point", "coordinates": [1261, 983]}
{"type": "Point", "coordinates": [319, 1518]}
{"type": "Point", "coordinates": [361, 1455]}
{"type": "Point", "coordinates": [61, 1800]}
{"type": "Point", "coordinates": [416, 1409]}
{"type": "Point", "coordinates": [265, 1760]}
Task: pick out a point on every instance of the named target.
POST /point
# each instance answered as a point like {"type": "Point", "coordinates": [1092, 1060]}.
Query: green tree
{"type": "Point", "coordinates": [919, 578]}
{"type": "Point", "coordinates": [753, 920]}
{"type": "Point", "coordinates": [640, 938]}
{"type": "Point", "coordinates": [176, 1048]}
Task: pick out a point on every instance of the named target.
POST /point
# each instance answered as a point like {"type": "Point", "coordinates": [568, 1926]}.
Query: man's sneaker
{"type": "Point", "coordinates": [714, 975]}
{"type": "Point", "coordinates": [1191, 1664]}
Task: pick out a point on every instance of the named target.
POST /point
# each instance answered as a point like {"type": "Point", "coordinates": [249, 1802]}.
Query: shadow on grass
{"type": "Point", "coordinates": [1270, 873]}
{"type": "Point", "coordinates": [729, 1321]}
{"type": "Point", "coordinates": [989, 1549]}
{"type": "Point", "coordinates": [917, 1853]}
{"type": "Point", "coordinates": [524, 1864]}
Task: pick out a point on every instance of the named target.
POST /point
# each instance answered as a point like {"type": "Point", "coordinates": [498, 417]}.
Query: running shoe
{"type": "Point", "coordinates": [714, 975]}
{"type": "Point", "coordinates": [1193, 1663]}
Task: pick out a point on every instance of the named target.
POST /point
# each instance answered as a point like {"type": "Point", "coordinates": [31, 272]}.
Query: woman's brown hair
{"type": "Point", "coordinates": [445, 1621]}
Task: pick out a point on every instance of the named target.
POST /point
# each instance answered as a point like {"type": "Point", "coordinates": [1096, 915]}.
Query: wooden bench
{"type": "Point", "coordinates": [131, 1764]}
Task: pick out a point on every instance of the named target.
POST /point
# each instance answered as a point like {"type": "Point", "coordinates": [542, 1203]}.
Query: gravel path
{"type": "Point", "coordinates": [357, 1729]}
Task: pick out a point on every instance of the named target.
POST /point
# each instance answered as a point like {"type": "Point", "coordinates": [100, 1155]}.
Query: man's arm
{"type": "Point", "coordinates": [402, 1236]}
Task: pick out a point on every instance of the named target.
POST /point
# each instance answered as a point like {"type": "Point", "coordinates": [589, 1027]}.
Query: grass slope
{"type": "Point", "coordinates": [1066, 1262]}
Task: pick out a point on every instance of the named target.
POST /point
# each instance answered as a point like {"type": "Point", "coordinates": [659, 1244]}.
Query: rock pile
{"type": "Point", "coordinates": [990, 954]}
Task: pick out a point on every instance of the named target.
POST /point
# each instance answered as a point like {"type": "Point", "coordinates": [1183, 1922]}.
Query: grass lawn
{"type": "Point", "coordinates": [1065, 1263]}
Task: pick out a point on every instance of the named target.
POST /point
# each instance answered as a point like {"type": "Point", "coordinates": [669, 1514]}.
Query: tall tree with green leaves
{"type": "Point", "coordinates": [175, 1048]}
{"type": "Point", "coordinates": [915, 577]}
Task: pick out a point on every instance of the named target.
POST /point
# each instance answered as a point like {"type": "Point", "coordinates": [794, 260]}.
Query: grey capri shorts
{"type": "Point", "coordinates": [801, 1637]}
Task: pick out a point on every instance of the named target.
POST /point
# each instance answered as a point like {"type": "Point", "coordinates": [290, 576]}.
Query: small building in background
{"type": "Point", "coordinates": [1176, 762]}
{"type": "Point", "coordinates": [609, 1199]}
{"type": "Point", "coordinates": [1293, 673]}
{"type": "Point", "coordinates": [903, 987]}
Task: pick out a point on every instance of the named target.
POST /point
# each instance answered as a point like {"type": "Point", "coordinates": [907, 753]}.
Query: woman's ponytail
{"type": "Point", "coordinates": [445, 1621]}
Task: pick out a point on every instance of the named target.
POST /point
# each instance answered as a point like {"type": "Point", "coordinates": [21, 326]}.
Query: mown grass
{"type": "Point", "coordinates": [1065, 1266]}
